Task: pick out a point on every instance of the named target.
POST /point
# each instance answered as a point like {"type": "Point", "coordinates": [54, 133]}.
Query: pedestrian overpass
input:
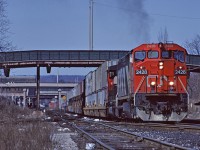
{"type": "Point", "coordinates": [70, 58]}
{"type": "Point", "coordinates": [193, 63]}
{"type": "Point", "coordinates": [57, 58]}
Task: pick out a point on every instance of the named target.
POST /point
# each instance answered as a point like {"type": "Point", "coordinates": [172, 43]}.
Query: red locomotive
{"type": "Point", "coordinates": [149, 83]}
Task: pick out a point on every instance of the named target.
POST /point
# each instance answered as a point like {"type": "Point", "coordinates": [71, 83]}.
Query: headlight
{"type": "Point", "coordinates": [171, 83]}
{"type": "Point", "coordinates": [153, 83]}
{"type": "Point", "coordinates": [161, 63]}
{"type": "Point", "coordinates": [161, 67]}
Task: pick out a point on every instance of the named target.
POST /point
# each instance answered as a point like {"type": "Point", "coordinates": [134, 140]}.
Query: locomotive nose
{"type": "Point", "coordinates": [168, 68]}
{"type": "Point", "coordinates": [167, 76]}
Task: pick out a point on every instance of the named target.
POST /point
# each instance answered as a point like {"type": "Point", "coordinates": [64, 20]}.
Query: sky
{"type": "Point", "coordinates": [118, 24]}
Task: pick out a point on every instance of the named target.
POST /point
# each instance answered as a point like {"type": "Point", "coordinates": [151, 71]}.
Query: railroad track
{"type": "Point", "coordinates": [187, 136]}
{"type": "Point", "coordinates": [122, 135]}
{"type": "Point", "coordinates": [107, 137]}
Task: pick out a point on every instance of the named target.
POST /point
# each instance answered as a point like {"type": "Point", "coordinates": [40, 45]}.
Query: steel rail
{"type": "Point", "coordinates": [92, 137]}
{"type": "Point", "coordinates": [176, 126]}
{"type": "Point", "coordinates": [160, 144]}
{"type": "Point", "coordinates": [147, 139]}
{"type": "Point", "coordinates": [181, 126]}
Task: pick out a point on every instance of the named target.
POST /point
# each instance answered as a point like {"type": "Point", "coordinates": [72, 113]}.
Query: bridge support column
{"type": "Point", "coordinates": [38, 87]}
{"type": "Point", "coordinates": [48, 69]}
{"type": "Point", "coordinates": [59, 99]}
{"type": "Point", "coordinates": [6, 71]}
{"type": "Point", "coordinates": [24, 97]}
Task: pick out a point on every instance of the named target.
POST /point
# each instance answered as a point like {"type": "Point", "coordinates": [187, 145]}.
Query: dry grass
{"type": "Point", "coordinates": [19, 134]}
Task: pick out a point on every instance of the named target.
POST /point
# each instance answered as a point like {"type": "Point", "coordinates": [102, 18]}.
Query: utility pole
{"type": "Point", "coordinates": [91, 25]}
{"type": "Point", "coordinates": [38, 87]}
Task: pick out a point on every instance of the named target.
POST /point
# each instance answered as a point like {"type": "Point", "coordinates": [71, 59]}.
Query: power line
{"type": "Point", "coordinates": [152, 14]}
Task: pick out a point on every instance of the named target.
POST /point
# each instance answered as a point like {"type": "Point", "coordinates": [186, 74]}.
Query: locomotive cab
{"type": "Point", "coordinates": [160, 87]}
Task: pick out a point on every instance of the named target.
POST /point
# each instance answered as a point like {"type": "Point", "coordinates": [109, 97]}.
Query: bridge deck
{"type": "Point", "coordinates": [57, 58]}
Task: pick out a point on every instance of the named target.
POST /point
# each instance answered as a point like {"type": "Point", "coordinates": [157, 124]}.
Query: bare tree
{"type": "Point", "coordinates": [163, 35]}
{"type": "Point", "coordinates": [193, 46]}
{"type": "Point", "coordinates": [5, 44]}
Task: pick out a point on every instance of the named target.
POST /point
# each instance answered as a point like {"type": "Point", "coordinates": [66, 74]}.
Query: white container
{"type": "Point", "coordinates": [93, 81]}
{"type": "Point", "coordinates": [88, 85]}
{"type": "Point", "coordinates": [90, 100]}
{"type": "Point", "coordinates": [104, 75]}
{"type": "Point", "coordinates": [98, 78]}
{"type": "Point", "coordinates": [102, 97]}
{"type": "Point", "coordinates": [82, 87]}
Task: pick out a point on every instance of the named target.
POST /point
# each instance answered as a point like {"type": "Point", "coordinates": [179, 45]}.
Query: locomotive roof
{"type": "Point", "coordinates": [167, 46]}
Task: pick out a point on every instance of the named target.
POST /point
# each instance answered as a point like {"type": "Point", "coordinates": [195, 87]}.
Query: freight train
{"type": "Point", "coordinates": [149, 83]}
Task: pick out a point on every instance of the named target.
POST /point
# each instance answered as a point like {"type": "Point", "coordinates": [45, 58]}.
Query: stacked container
{"type": "Point", "coordinates": [75, 98]}
{"type": "Point", "coordinates": [96, 85]}
{"type": "Point", "coordinates": [90, 87]}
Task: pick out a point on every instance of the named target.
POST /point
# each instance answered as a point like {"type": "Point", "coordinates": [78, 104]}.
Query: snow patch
{"type": "Point", "coordinates": [89, 146]}
{"type": "Point", "coordinates": [96, 119]}
{"type": "Point", "coordinates": [63, 129]}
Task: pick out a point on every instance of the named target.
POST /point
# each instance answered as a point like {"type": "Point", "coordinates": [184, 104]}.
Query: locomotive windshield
{"type": "Point", "coordinates": [139, 56]}
{"type": "Point", "coordinates": [179, 55]}
{"type": "Point", "coordinates": [166, 54]}
{"type": "Point", "coordinates": [152, 54]}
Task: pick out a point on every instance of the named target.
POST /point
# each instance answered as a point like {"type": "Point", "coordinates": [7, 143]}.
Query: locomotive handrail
{"type": "Point", "coordinates": [142, 80]}
{"type": "Point", "coordinates": [184, 89]}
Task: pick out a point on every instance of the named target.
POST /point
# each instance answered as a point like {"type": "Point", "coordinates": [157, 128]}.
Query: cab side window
{"type": "Point", "coordinates": [166, 54]}
{"type": "Point", "coordinates": [179, 55]}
